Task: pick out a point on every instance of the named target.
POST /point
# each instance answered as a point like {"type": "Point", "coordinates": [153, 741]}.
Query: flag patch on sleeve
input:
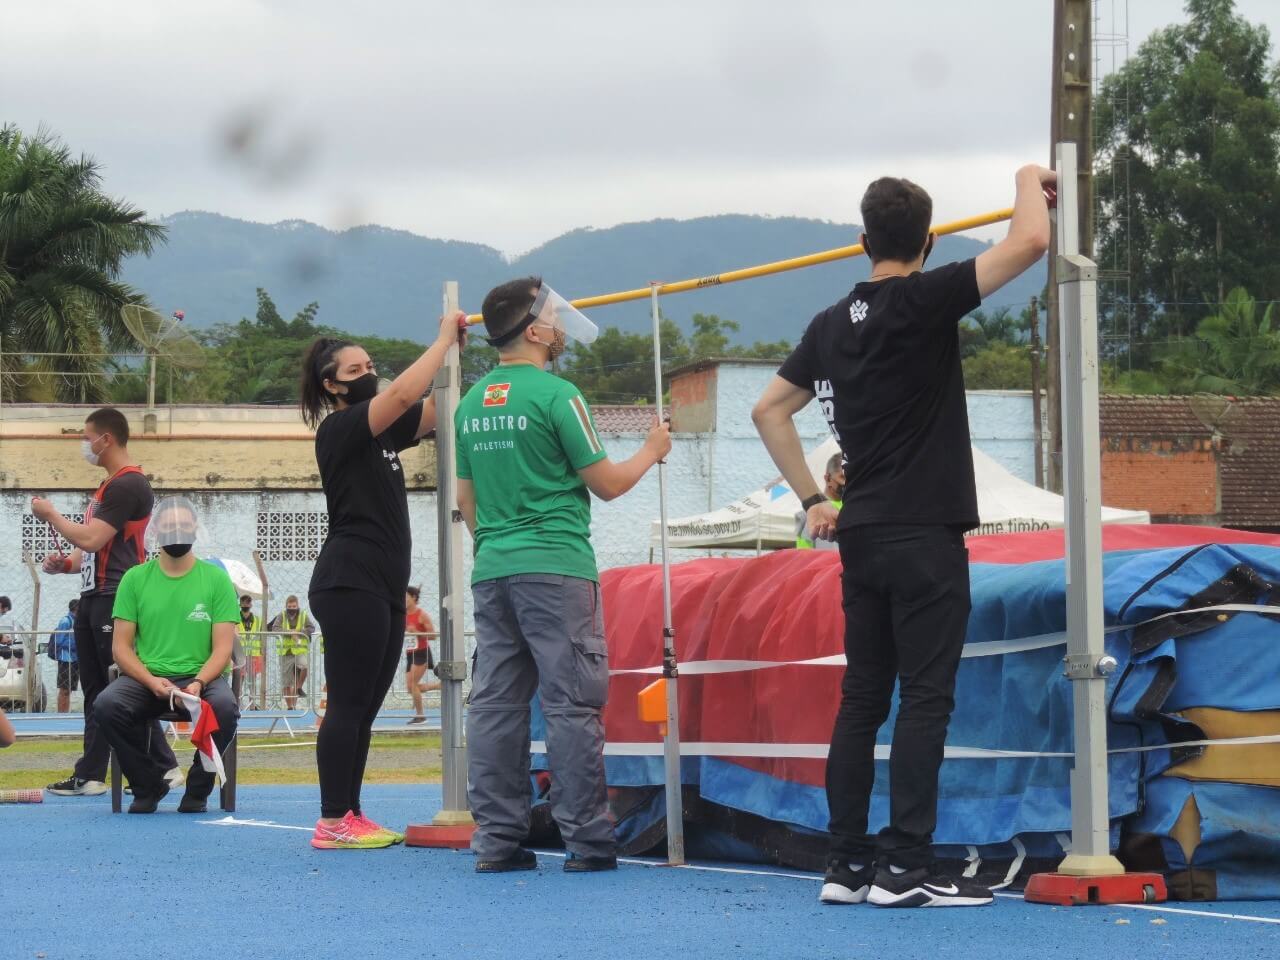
{"type": "Point", "coordinates": [495, 395]}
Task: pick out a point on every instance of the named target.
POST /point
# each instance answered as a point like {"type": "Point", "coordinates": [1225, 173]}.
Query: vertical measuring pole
{"type": "Point", "coordinates": [670, 672]}
{"type": "Point", "coordinates": [453, 663]}
{"type": "Point", "coordinates": [1087, 665]}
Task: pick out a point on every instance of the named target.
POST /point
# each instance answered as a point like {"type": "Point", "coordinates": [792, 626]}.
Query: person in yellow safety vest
{"type": "Point", "coordinates": [249, 642]}
{"type": "Point", "coordinates": [295, 629]}
{"type": "Point", "coordinates": [834, 490]}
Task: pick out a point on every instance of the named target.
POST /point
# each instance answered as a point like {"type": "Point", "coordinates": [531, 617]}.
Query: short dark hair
{"type": "Point", "coordinates": [415, 592]}
{"type": "Point", "coordinates": [5, 604]}
{"type": "Point", "coordinates": [73, 605]}
{"type": "Point", "coordinates": [112, 421]}
{"type": "Point", "coordinates": [506, 305]}
{"type": "Point", "coordinates": [244, 597]}
{"type": "Point", "coordinates": [292, 597]}
{"type": "Point", "coordinates": [835, 463]}
{"type": "Point", "coordinates": [896, 214]}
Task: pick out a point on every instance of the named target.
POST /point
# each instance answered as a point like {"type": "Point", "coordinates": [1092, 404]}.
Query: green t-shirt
{"type": "Point", "coordinates": [175, 615]}
{"type": "Point", "coordinates": [522, 436]}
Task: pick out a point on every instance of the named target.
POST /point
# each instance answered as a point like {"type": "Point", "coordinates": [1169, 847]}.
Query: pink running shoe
{"type": "Point", "coordinates": [348, 834]}
{"type": "Point", "coordinates": [369, 826]}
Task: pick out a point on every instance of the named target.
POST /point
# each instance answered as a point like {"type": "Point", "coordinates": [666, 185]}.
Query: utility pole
{"type": "Point", "coordinates": [1071, 121]}
{"type": "Point", "coordinates": [1036, 431]}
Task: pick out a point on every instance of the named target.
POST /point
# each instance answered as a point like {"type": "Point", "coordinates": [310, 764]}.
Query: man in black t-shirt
{"type": "Point", "coordinates": [884, 364]}
{"type": "Point", "coordinates": [107, 543]}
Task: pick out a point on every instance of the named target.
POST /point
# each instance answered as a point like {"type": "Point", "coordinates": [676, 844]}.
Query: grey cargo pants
{"type": "Point", "coordinates": [544, 633]}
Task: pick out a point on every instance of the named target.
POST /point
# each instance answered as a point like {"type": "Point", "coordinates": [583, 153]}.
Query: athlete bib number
{"type": "Point", "coordinates": [87, 565]}
{"type": "Point", "coordinates": [410, 642]}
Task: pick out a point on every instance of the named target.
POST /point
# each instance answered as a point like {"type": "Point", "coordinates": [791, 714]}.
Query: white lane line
{"type": "Point", "coordinates": [1178, 910]}
{"type": "Point", "coordinates": [229, 821]}
{"type": "Point", "coordinates": [694, 866]}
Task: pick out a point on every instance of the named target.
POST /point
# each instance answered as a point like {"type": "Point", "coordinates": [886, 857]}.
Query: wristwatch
{"type": "Point", "coordinates": [809, 503]}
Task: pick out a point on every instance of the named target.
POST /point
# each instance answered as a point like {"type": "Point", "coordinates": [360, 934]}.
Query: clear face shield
{"type": "Point", "coordinates": [555, 320]}
{"type": "Point", "coordinates": [552, 310]}
{"type": "Point", "coordinates": [174, 526]}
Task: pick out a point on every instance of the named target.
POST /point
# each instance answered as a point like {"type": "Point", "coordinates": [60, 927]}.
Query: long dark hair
{"type": "Point", "coordinates": [319, 364]}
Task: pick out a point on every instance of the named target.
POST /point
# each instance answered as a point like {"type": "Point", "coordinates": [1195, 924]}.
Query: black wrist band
{"type": "Point", "coordinates": [809, 502]}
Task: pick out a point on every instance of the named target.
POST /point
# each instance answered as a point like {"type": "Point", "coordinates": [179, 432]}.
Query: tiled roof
{"type": "Point", "coordinates": [637, 418]}
{"type": "Point", "coordinates": [1248, 440]}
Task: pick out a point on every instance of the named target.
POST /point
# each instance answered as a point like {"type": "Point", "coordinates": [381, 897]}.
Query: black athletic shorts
{"type": "Point", "coordinates": [419, 657]}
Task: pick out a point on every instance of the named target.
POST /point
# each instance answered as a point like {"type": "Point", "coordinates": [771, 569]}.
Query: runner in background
{"type": "Point", "coordinates": [417, 654]}
{"type": "Point", "coordinates": [107, 543]}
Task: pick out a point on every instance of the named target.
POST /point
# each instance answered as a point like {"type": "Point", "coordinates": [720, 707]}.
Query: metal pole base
{"type": "Point", "coordinates": [1063, 890]}
{"type": "Point", "coordinates": [452, 830]}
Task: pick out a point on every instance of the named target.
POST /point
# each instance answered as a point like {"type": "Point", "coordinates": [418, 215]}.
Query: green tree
{"type": "Point", "coordinates": [62, 243]}
{"type": "Point", "coordinates": [1236, 351]}
{"type": "Point", "coordinates": [1195, 115]}
{"type": "Point", "coordinates": [1000, 366]}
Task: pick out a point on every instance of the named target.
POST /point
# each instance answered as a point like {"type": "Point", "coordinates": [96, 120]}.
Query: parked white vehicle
{"type": "Point", "coordinates": [13, 681]}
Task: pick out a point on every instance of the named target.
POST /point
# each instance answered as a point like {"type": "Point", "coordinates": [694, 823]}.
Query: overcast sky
{"type": "Point", "coordinates": [508, 123]}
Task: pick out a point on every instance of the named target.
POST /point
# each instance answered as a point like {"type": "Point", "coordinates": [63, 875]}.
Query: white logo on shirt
{"type": "Point", "coordinates": [199, 614]}
{"type": "Point", "coordinates": [392, 458]}
{"type": "Point", "coordinates": [858, 311]}
{"type": "Point", "coordinates": [826, 395]}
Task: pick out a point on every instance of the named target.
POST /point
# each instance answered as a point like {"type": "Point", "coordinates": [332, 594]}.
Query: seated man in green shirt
{"type": "Point", "coordinates": [834, 489]}
{"type": "Point", "coordinates": [175, 621]}
{"type": "Point", "coordinates": [528, 453]}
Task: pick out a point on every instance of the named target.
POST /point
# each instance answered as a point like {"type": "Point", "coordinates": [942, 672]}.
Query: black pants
{"type": "Point", "coordinates": [906, 607]}
{"type": "Point", "coordinates": [125, 709]}
{"type": "Point", "coordinates": [94, 632]}
{"type": "Point", "coordinates": [363, 636]}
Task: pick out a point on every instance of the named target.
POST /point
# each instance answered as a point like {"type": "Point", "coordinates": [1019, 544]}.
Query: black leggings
{"type": "Point", "coordinates": [363, 637]}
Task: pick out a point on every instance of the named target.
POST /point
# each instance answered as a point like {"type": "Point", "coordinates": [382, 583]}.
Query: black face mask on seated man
{"type": "Point", "coordinates": [177, 549]}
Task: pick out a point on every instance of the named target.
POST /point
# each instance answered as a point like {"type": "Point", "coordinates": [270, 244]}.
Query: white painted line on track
{"type": "Point", "coordinates": [1178, 910]}
{"type": "Point", "coordinates": [230, 821]}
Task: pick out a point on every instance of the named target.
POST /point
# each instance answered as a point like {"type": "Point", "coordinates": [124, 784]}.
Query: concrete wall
{"type": "Point", "coordinates": [232, 448]}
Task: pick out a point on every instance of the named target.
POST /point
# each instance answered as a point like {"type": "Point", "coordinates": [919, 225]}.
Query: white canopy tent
{"type": "Point", "coordinates": [766, 518]}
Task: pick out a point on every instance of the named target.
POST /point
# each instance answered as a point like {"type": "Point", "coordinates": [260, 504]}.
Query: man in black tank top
{"type": "Point", "coordinates": [107, 543]}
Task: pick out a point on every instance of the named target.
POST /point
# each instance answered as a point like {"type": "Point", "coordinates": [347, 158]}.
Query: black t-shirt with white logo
{"type": "Point", "coordinates": [884, 364]}
{"type": "Point", "coordinates": [368, 546]}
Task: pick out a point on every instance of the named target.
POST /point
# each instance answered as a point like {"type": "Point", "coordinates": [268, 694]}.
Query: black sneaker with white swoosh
{"type": "Point", "coordinates": [925, 888]}
{"type": "Point", "coordinates": [843, 883]}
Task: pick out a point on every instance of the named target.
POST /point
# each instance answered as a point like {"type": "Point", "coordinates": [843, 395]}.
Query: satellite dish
{"type": "Point", "coordinates": [1222, 415]}
{"type": "Point", "coordinates": [162, 336]}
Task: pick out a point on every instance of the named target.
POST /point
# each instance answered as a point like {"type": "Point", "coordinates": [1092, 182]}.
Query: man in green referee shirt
{"type": "Point", "coordinates": [528, 453]}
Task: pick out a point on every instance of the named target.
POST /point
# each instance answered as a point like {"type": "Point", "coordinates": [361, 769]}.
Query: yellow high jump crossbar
{"type": "Point", "coordinates": [765, 269]}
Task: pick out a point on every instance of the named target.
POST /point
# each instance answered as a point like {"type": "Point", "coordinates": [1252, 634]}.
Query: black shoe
{"type": "Point", "coordinates": [75, 787]}
{"type": "Point", "coordinates": [190, 804]}
{"type": "Point", "coordinates": [576, 864]}
{"type": "Point", "coordinates": [925, 888]}
{"type": "Point", "coordinates": [843, 884]}
{"type": "Point", "coordinates": [147, 802]}
{"type": "Point", "coordinates": [522, 859]}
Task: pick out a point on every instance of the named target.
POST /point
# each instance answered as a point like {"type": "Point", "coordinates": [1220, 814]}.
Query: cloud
{"type": "Point", "coordinates": [508, 122]}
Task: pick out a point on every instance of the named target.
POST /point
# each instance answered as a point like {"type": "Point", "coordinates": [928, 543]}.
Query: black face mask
{"type": "Point", "coordinates": [177, 549]}
{"type": "Point", "coordinates": [362, 388]}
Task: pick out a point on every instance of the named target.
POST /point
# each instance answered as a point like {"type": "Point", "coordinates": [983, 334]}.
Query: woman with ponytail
{"type": "Point", "coordinates": [358, 586]}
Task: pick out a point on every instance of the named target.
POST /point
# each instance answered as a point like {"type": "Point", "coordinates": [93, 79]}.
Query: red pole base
{"type": "Point", "coordinates": [429, 835]}
{"type": "Point", "coordinates": [1063, 890]}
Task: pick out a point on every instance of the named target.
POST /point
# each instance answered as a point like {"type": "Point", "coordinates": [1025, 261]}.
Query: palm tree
{"type": "Point", "coordinates": [62, 244]}
{"type": "Point", "coordinates": [1234, 352]}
